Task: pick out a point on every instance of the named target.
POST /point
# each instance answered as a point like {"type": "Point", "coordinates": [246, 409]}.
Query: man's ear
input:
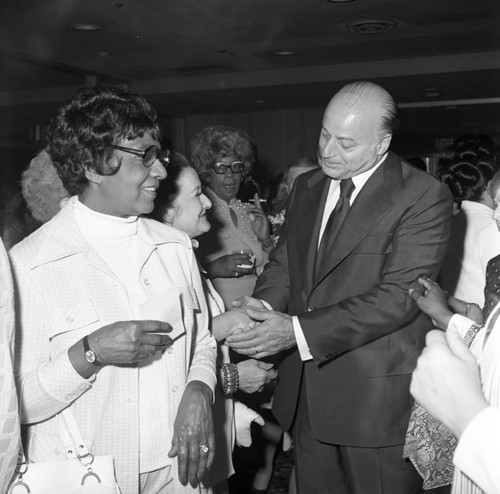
{"type": "Point", "coordinates": [384, 144]}
{"type": "Point", "coordinates": [92, 176]}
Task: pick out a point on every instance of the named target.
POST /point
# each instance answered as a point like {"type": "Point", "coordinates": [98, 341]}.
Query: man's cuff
{"type": "Point", "coordinates": [302, 345]}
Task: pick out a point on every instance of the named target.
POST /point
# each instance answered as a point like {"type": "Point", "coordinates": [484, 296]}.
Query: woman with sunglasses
{"type": "Point", "coordinates": [235, 250]}
{"type": "Point", "coordinates": [112, 319]}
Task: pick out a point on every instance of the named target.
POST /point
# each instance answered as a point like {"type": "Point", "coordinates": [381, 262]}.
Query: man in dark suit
{"type": "Point", "coordinates": [348, 332]}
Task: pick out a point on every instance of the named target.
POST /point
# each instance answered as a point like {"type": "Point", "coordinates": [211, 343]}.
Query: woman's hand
{"type": "Point", "coordinates": [230, 266]}
{"type": "Point", "coordinates": [432, 301]}
{"type": "Point", "coordinates": [193, 441]}
{"type": "Point", "coordinates": [125, 342]}
{"type": "Point", "coordinates": [254, 375]}
{"type": "Point", "coordinates": [260, 223]}
{"type": "Point", "coordinates": [472, 311]}
{"type": "Point", "coordinates": [224, 324]}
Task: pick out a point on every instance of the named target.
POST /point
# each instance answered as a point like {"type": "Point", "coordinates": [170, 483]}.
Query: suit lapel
{"type": "Point", "coordinates": [311, 207]}
{"type": "Point", "coordinates": [369, 207]}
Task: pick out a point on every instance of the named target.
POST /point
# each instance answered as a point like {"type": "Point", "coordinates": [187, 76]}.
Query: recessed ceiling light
{"type": "Point", "coordinates": [284, 53]}
{"type": "Point", "coordinates": [371, 26]}
{"type": "Point", "coordinates": [85, 27]}
{"type": "Point", "coordinates": [431, 92]}
{"type": "Point", "coordinates": [260, 101]}
{"type": "Point", "coordinates": [340, 1]}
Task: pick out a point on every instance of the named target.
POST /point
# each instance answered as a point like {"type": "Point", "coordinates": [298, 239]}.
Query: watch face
{"type": "Point", "coordinates": [90, 356]}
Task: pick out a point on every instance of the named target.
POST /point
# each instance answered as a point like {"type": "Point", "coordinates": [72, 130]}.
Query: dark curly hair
{"type": "Point", "coordinates": [219, 141]}
{"type": "Point", "coordinates": [80, 135]}
{"type": "Point", "coordinates": [468, 165]}
{"type": "Point", "coordinates": [168, 191]}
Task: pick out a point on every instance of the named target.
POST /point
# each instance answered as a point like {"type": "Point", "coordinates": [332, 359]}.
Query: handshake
{"type": "Point", "coordinates": [254, 330]}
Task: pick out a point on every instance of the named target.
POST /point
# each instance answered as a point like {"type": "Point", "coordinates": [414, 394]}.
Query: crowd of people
{"type": "Point", "coordinates": [176, 322]}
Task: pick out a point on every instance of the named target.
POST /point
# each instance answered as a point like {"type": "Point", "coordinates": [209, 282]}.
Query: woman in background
{"type": "Point", "coordinates": [468, 167]}
{"type": "Point", "coordinates": [235, 250]}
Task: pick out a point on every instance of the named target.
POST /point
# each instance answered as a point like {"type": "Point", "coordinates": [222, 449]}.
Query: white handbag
{"type": "Point", "coordinates": [81, 473]}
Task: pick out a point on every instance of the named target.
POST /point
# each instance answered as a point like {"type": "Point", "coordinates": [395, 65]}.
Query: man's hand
{"type": "Point", "coordinates": [432, 301]}
{"type": "Point", "coordinates": [273, 335]}
{"type": "Point", "coordinates": [254, 375]}
{"type": "Point", "coordinates": [193, 441]}
{"type": "Point", "coordinates": [447, 382]}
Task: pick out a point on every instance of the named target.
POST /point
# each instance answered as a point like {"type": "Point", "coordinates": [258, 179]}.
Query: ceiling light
{"type": "Point", "coordinates": [340, 1]}
{"type": "Point", "coordinates": [431, 92]}
{"type": "Point", "coordinates": [284, 53]}
{"type": "Point", "coordinates": [85, 27]}
{"type": "Point", "coordinates": [371, 26]}
{"type": "Point", "coordinates": [260, 101]}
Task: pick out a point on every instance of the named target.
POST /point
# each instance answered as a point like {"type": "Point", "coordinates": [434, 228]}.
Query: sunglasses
{"type": "Point", "coordinates": [149, 155]}
{"type": "Point", "coordinates": [220, 167]}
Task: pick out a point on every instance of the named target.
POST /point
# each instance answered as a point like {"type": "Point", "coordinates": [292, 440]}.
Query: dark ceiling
{"type": "Point", "coordinates": [440, 59]}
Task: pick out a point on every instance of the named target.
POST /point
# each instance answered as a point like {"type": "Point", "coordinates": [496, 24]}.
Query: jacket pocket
{"type": "Point", "coordinates": [189, 299]}
{"type": "Point", "coordinates": [71, 317]}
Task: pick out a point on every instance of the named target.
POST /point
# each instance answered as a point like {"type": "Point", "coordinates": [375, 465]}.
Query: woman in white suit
{"type": "Point", "coordinates": [112, 318]}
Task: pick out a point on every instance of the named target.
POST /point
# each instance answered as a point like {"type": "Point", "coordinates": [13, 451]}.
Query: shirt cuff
{"type": "Point", "coordinates": [302, 345]}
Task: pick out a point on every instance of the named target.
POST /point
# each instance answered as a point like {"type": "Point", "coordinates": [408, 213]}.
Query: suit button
{"type": "Point", "coordinates": [310, 308]}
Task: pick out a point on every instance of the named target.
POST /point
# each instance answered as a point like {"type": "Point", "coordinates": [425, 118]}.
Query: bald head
{"type": "Point", "coordinates": [376, 97]}
{"type": "Point", "coordinates": [357, 129]}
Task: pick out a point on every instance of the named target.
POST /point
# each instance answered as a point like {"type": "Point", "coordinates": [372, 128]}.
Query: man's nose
{"type": "Point", "coordinates": [329, 149]}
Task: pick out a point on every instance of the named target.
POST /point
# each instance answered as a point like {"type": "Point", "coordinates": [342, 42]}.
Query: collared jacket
{"type": "Point", "coordinates": [66, 291]}
{"type": "Point", "coordinates": [9, 412]}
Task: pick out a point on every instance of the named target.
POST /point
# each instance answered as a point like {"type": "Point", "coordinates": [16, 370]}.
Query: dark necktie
{"type": "Point", "coordinates": [336, 218]}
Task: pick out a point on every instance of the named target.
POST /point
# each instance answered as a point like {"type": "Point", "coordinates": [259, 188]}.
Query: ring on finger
{"type": "Point", "coordinates": [256, 349]}
{"type": "Point", "coordinates": [204, 449]}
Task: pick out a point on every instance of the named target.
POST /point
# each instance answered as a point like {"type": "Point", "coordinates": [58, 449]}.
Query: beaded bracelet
{"type": "Point", "coordinates": [231, 380]}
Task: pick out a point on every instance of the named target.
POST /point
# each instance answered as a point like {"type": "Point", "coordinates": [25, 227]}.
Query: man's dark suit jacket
{"type": "Point", "coordinates": [362, 328]}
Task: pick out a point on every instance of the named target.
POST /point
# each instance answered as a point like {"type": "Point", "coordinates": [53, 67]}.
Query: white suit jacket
{"type": "Point", "coordinates": [9, 413]}
{"type": "Point", "coordinates": [66, 291]}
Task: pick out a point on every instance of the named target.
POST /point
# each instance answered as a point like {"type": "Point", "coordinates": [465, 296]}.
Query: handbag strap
{"type": "Point", "coordinates": [74, 445]}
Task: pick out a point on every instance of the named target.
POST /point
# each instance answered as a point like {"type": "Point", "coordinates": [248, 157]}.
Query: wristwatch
{"type": "Point", "coordinates": [90, 355]}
